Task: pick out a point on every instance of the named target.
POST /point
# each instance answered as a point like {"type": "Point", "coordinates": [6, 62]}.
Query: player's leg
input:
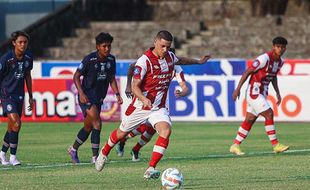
{"type": "Point", "coordinates": [161, 121]}
{"type": "Point", "coordinates": [245, 127]}
{"type": "Point", "coordinates": [121, 145]}
{"type": "Point", "coordinates": [95, 135]}
{"type": "Point", "coordinates": [242, 133]}
{"type": "Point", "coordinates": [133, 118]}
{"type": "Point", "coordinates": [271, 131]}
{"type": "Point", "coordinates": [144, 139]}
{"type": "Point", "coordinates": [114, 138]}
{"type": "Point", "coordinates": [83, 133]}
{"type": "Point", "coordinates": [5, 147]}
{"type": "Point", "coordinates": [14, 124]}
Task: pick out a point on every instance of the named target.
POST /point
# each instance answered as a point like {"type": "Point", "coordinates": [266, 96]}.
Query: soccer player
{"type": "Point", "coordinates": [15, 70]}
{"type": "Point", "coordinates": [98, 70]}
{"type": "Point", "coordinates": [152, 76]}
{"type": "Point", "coordinates": [146, 130]}
{"type": "Point", "coordinates": [263, 70]}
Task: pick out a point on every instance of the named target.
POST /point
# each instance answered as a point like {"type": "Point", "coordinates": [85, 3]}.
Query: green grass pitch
{"type": "Point", "coordinates": [199, 150]}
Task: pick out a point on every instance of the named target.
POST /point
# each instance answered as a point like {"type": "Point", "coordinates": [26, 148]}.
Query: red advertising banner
{"type": "Point", "coordinates": [56, 101]}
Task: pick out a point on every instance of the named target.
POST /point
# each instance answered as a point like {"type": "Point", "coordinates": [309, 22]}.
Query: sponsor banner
{"type": "Point", "coordinates": [210, 99]}
{"type": "Point", "coordinates": [211, 86]}
{"type": "Point", "coordinates": [56, 100]}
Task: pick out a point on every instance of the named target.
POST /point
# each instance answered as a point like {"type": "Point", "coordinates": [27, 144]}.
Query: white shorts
{"type": "Point", "coordinates": [257, 105]}
{"type": "Point", "coordinates": [132, 120]}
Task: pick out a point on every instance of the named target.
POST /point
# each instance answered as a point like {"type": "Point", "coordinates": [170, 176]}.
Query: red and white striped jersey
{"type": "Point", "coordinates": [265, 70]}
{"type": "Point", "coordinates": [156, 75]}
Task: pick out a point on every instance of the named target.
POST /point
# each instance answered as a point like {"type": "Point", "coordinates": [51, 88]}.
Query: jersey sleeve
{"type": "Point", "coordinates": [260, 62]}
{"type": "Point", "coordinates": [83, 67]}
{"type": "Point", "coordinates": [113, 70]}
{"type": "Point", "coordinates": [179, 74]}
{"type": "Point", "coordinates": [174, 57]}
{"type": "Point", "coordinates": [3, 66]}
{"type": "Point", "coordinates": [140, 68]}
{"type": "Point", "coordinates": [30, 67]}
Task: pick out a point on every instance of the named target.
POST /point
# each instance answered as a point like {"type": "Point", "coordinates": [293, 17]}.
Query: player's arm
{"type": "Point", "coordinates": [276, 88]}
{"type": "Point", "coordinates": [244, 77]}
{"type": "Point", "coordinates": [135, 87]}
{"type": "Point", "coordinates": [28, 80]}
{"type": "Point", "coordinates": [191, 61]}
{"type": "Point", "coordinates": [77, 82]}
{"type": "Point", "coordinates": [128, 90]}
{"type": "Point", "coordinates": [114, 87]}
{"type": "Point", "coordinates": [184, 91]}
{"type": "Point", "coordinates": [3, 68]}
{"type": "Point", "coordinates": [179, 74]}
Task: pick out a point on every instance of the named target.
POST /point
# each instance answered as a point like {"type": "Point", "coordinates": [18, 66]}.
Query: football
{"type": "Point", "coordinates": [172, 178]}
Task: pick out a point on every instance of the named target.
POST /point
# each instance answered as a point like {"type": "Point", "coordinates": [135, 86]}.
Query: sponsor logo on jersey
{"type": "Point", "coordinates": [255, 64]}
{"type": "Point", "coordinates": [136, 71]}
{"type": "Point", "coordinates": [9, 107]}
{"type": "Point", "coordinates": [108, 65]}
{"type": "Point", "coordinates": [81, 66]}
{"type": "Point", "coordinates": [26, 64]}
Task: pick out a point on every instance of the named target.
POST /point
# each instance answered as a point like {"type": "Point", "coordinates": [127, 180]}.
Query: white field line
{"type": "Point", "coordinates": [42, 165]}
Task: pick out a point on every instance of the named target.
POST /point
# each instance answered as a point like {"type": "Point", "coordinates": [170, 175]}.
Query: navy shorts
{"type": "Point", "coordinates": [12, 105]}
{"type": "Point", "coordinates": [87, 106]}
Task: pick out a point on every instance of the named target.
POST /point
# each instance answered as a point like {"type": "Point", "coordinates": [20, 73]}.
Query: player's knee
{"type": "Point", "coordinates": [121, 134]}
{"type": "Point", "coordinates": [165, 132]}
{"type": "Point", "coordinates": [250, 119]}
{"type": "Point", "coordinates": [97, 124]}
{"type": "Point", "coordinates": [269, 114]}
{"type": "Point", "coordinates": [16, 125]}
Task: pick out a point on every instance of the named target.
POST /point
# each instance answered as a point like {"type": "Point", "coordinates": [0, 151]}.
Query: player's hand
{"type": "Point", "coordinates": [146, 103]}
{"type": "Point", "coordinates": [83, 98]}
{"type": "Point", "coordinates": [279, 99]}
{"type": "Point", "coordinates": [128, 92]}
{"type": "Point", "coordinates": [204, 59]}
{"type": "Point", "coordinates": [179, 93]}
{"type": "Point", "coordinates": [119, 99]}
{"type": "Point", "coordinates": [236, 94]}
{"type": "Point", "coordinates": [30, 104]}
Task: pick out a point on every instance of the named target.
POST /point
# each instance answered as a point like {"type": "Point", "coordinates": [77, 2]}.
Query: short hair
{"type": "Point", "coordinates": [18, 33]}
{"type": "Point", "coordinates": [164, 34]}
{"type": "Point", "coordinates": [279, 40]}
{"type": "Point", "coordinates": [103, 38]}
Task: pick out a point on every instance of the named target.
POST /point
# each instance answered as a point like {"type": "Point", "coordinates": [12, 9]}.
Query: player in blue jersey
{"type": "Point", "coordinates": [15, 70]}
{"type": "Point", "coordinates": [98, 70]}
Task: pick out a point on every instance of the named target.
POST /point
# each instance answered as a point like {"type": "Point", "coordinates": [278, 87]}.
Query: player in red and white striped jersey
{"type": "Point", "coordinates": [146, 130]}
{"type": "Point", "coordinates": [153, 73]}
{"type": "Point", "coordinates": [262, 71]}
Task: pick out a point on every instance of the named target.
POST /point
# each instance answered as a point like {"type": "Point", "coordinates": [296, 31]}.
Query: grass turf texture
{"type": "Point", "coordinates": [198, 150]}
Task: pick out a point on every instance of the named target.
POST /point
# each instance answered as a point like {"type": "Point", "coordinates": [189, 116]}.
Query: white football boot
{"type": "Point", "coordinates": [4, 161]}
{"type": "Point", "coordinates": [14, 161]}
{"type": "Point", "coordinates": [151, 173]}
{"type": "Point", "coordinates": [100, 162]}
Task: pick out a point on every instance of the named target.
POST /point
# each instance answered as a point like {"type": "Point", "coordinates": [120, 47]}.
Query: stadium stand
{"type": "Point", "coordinates": [220, 27]}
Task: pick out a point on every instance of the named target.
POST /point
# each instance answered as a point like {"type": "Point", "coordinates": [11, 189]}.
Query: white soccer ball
{"type": "Point", "coordinates": [172, 178]}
